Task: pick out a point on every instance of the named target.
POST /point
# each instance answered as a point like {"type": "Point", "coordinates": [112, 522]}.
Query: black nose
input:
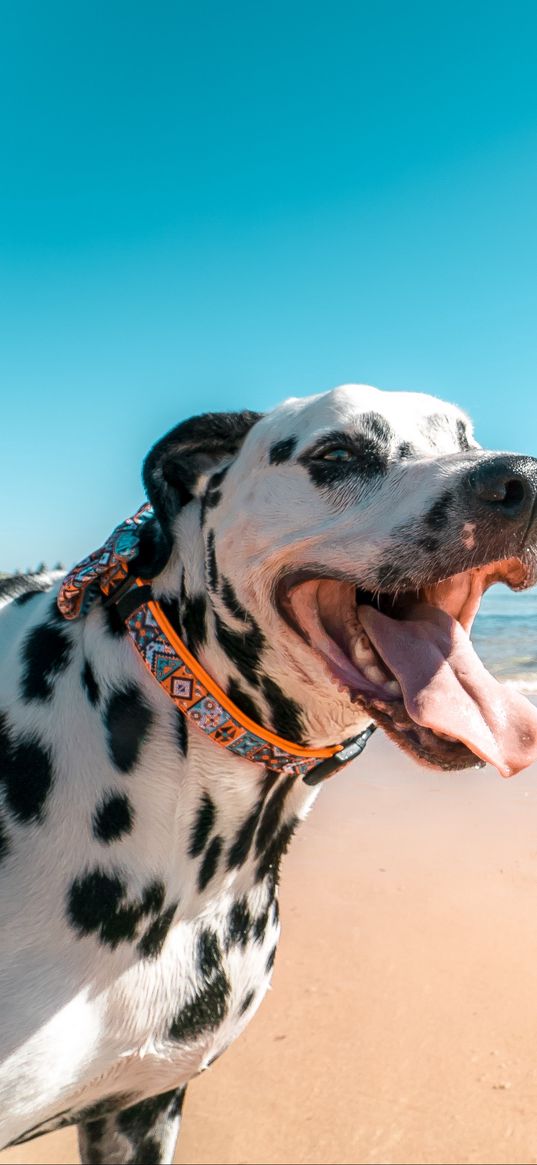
{"type": "Point", "coordinates": [506, 485]}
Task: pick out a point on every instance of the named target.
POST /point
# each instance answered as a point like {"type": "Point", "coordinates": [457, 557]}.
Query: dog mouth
{"type": "Point", "coordinates": [407, 659]}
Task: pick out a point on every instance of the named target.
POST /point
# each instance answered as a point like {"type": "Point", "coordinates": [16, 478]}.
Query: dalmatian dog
{"type": "Point", "coordinates": [323, 563]}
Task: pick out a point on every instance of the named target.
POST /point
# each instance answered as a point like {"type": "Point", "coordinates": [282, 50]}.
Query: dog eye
{"type": "Point", "coordinates": [336, 454]}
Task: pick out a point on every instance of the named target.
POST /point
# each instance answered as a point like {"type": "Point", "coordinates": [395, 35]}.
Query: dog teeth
{"type": "Point", "coordinates": [362, 650]}
{"type": "Point", "coordinates": [374, 674]}
{"type": "Point", "coordinates": [368, 662]}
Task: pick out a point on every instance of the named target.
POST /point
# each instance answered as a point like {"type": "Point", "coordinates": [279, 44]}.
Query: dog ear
{"type": "Point", "coordinates": [174, 467]}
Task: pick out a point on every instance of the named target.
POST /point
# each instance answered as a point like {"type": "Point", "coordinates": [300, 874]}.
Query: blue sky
{"type": "Point", "coordinates": [221, 205]}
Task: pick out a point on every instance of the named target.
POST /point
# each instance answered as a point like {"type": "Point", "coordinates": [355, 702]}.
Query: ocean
{"type": "Point", "coordinates": [505, 636]}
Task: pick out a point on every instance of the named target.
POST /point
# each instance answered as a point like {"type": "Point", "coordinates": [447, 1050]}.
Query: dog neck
{"type": "Point", "coordinates": [275, 682]}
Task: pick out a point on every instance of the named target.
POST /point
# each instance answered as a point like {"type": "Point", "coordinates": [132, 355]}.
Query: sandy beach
{"type": "Point", "coordinates": [402, 1023]}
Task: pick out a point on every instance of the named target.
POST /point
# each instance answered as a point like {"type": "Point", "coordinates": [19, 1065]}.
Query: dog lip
{"type": "Point", "coordinates": [519, 572]}
{"type": "Point", "coordinates": [422, 744]}
{"type": "Point", "coordinates": [291, 579]}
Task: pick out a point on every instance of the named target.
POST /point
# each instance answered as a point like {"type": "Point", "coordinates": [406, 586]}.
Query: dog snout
{"type": "Point", "coordinates": [506, 486]}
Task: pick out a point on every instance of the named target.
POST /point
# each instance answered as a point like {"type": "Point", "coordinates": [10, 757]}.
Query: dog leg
{"type": "Point", "coordinates": [144, 1134]}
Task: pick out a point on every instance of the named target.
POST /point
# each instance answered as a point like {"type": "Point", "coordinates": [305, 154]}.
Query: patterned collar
{"type": "Point", "coordinates": [107, 573]}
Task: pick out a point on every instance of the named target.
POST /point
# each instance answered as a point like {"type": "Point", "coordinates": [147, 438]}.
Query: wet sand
{"type": "Point", "coordinates": [402, 1023]}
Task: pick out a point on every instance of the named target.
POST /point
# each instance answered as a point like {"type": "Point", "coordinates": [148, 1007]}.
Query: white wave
{"type": "Point", "coordinates": [525, 684]}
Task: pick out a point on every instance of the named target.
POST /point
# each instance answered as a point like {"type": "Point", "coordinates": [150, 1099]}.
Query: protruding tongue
{"type": "Point", "coordinates": [446, 687]}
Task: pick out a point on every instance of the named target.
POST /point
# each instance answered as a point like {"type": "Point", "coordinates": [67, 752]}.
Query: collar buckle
{"type": "Point", "coordinates": [351, 749]}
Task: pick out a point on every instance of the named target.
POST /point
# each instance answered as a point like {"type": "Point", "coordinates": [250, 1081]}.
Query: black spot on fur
{"type": "Point", "coordinates": [148, 1152]}
{"type": "Point", "coordinates": [378, 427]}
{"type": "Point", "coordinates": [108, 1106]}
{"type": "Point", "coordinates": [285, 713]}
{"type": "Point", "coordinates": [213, 494]}
{"type": "Point", "coordinates": [113, 818]}
{"type": "Point", "coordinates": [389, 576]}
{"type": "Point", "coordinates": [97, 903]}
{"type": "Point", "coordinates": [369, 458]}
{"type": "Point", "coordinates": [170, 607]}
{"type": "Point", "coordinates": [176, 1106]}
{"type": "Point", "coordinates": [204, 1013]}
{"type": "Point", "coordinates": [153, 551]}
{"type": "Point", "coordinates": [271, 860]}
{"type": "Point", "coordinates": [127, 719]}
{"type": "Point", "coordinates": [45, 654]}
{"type": "Point", "coordinates": [438, 515]}
{"type": "Point", "coordinates": [260, 925]}
{"type": "Point", "coordinates": [217, 478]}
{"type": "Point", "coordinates": [208, 1008]}
{"type": "Point", "coordinates": [428, 544]}
{"type": "Point", "coordinates": [243, 648]}
{"type": "Point", "coordinates": [181, 731]}
{"type": "Point", "coordinates": [272, 815]}
{"type": "Point", "coordinates": [462, 435]}
{"type": "Point", "coordinates": [269, 779]}
{"type": "Point", "coordinates": [240, 922]}
{"type": "Point", "coordinates": [89, 683]}
{"type": "Point", "coordinates": [282, 450]}
{"type": "Point", "coordinates": [232, 603]}
{"type": "Point", "coordinates": [153, 897]}
{"type": "Point", "coordinates": [138, 1120]}
{"type": "Point", "coordinates": [153, 940]}
{"type": "Point", "coordinates": [114, 622]}
{"type": "Point", "coordinates": [406, 451]}
{"type": "Point", "coordinates": [26, 773]}
{"type": "Point", "coordinates": [247, 1002]}
{"type": "Point", "coordinates": [240, 849]}
{"type": "Point", "coordinates": [270, 961]}
{"type": "Point", "coordinates": [202, 826]}
{"type": "Point", "coordinates": [212, 566]}
{"type": "Point", "coordinates": [209, 953]}
{"type": "Point", "coordinates": [4, 840]}
{"type": "Point", "coordinates": [212, 498]}
{"type": "Point", "coordinates": [96, 1129]}
{"type": "Point", "coordinates": [5, 743]}
{"type": "Point", "coordinates": [93, 1133]}
{"type": "Point", "coordinates": [194, 620]}
{"type": "Point", "coordinates": [243, 701]}
{"type": "Point", "coordinates": [210, 863]}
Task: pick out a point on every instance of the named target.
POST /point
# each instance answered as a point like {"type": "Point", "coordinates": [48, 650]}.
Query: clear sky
{"type": "Point", "coordinates": [218, 205]}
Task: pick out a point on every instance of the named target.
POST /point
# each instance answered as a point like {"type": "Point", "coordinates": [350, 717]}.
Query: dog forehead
{"type": "Point", "coordinates": [351, 406]}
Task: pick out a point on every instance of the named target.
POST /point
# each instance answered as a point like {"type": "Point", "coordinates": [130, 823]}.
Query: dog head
{"type": "Point", "coordinates": [353, 534]}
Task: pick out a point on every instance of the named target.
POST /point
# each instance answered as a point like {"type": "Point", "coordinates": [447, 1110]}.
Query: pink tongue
{"type": "Point", "coordinates": [446, 688]}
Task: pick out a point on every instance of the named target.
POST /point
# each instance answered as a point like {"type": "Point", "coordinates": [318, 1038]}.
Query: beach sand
{"type": "Point", "coordinates": [402, 1023]}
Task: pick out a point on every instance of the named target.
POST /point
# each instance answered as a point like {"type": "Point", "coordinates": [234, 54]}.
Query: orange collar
{"type": "Point", "coordinates": [193, 691]}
